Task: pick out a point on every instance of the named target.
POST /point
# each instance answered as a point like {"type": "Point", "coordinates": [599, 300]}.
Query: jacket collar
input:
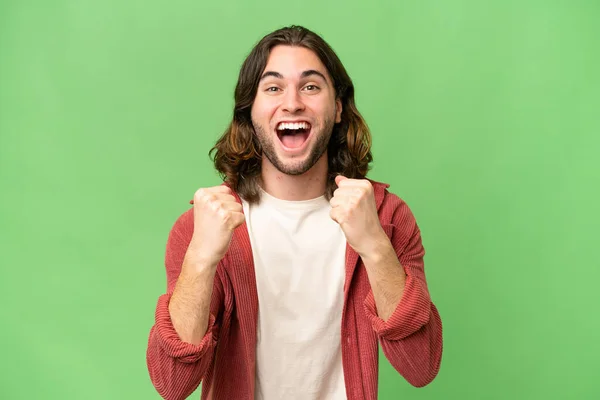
{"type": "Point", "coordinates": [379, 189]}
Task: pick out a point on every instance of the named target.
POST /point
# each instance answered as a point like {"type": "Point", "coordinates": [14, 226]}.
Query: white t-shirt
{"type": "Point", "coordinates": [299, 259]}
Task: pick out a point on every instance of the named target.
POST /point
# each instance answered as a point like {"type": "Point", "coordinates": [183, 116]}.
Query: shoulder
{"type": "Point", "coordinates": [186, 218]}
{"type": "Point", "coordinates": [184, 224]}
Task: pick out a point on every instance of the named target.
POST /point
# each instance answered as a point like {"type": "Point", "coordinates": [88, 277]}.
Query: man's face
{"type": "Point", "coordinates": [294, 110]}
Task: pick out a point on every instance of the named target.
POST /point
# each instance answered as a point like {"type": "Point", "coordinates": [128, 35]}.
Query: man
{"type": "Point", "coordinates": [283, 280]}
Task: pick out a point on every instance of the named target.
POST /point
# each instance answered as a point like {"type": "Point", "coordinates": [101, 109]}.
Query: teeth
{"type": "Point", "coordinates": [293, 125]}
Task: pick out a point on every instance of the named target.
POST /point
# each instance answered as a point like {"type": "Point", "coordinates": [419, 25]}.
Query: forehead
{"type": "Point", "coordinates": [291, 61]}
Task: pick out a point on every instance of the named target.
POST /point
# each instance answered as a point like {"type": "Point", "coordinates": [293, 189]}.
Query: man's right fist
{"type": "Point", "coordinates": [216, 215]}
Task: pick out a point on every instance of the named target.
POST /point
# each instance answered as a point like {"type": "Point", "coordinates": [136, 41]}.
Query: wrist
{"type": "Point", "coordinates": [378, 249]}
{"type": "Point", "coordinates": [195, 262]}
{"type": "Point", "coordinates": [198, 255]}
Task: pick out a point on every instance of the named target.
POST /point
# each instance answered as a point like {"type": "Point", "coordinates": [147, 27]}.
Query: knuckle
{"type": "Point", "coordinates": [225, 216]}
{"type": "Point", "coordinates": [220, 207]}
{"type": "Point", "coordinates": [203, 195]}
{"type": "Point", "coordinates": [210, 199]}
{"type": "Point", "coordinates": [199, 193]}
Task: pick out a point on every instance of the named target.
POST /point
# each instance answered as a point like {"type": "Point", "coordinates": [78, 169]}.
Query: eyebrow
{"type": "Point", "coordinates": [304, 74]}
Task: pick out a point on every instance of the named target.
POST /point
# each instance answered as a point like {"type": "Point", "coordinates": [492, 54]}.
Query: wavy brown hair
{"type": "Point", "coordinates": [237, 153]}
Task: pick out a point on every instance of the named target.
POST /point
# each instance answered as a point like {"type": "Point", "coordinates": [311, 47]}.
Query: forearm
{"type": "Point", "coordinates": [189, 306]}
{"type": "Point", "coordinates": [407, 323]}
{"type": "Point", "coordinates": [386, 276]}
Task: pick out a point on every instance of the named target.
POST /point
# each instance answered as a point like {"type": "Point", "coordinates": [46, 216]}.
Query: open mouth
{"type": "Point", "coordinates": [293, 135]}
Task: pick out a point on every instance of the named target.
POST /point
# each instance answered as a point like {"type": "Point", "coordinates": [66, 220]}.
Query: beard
{"type": "Point", "coordinates": [294, 167]}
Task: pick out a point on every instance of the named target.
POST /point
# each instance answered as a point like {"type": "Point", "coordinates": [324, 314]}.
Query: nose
{"type": "Point", "coordinates": [292, 102]}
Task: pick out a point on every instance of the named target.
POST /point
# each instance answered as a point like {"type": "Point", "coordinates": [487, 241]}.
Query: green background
{"type": "Point", "coordinates": [485, 118]}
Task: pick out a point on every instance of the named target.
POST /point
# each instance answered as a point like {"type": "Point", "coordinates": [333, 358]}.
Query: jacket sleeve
{"type": "Point", "coordinates": [176, 367]}
{"type": "Point", "coordinates": [411, 338]}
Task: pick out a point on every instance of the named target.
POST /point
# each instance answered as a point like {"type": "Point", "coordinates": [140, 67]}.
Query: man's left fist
{"type": "Point", "coordinates": [353, 208]}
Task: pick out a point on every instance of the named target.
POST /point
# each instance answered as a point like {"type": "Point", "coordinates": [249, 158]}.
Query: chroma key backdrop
{"type": "Point", "coordinates": [485, 120]}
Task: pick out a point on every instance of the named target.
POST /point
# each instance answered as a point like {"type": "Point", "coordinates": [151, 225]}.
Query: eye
{"type": "Point", "coordinates": [311, 88]}
{"type": "Point", "coordinates": [272, 89]}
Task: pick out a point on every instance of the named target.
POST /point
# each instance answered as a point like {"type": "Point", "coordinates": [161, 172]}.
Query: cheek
{"type": "Point", "coordinates": [255, 112]}
{"type": "Point", "coordinates": [263, 109]}
{"type": "Point", "coordinates": [326, 109]}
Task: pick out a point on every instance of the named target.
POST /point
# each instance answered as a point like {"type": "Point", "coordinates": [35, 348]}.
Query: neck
{"type": "Point", "coordinates": [309, 185]}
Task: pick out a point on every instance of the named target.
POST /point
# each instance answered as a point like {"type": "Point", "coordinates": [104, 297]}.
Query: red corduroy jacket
{"type": "Point", "coordinates": [224, 361]}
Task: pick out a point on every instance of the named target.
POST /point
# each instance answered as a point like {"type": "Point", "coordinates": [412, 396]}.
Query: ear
{"type": "Point", "coordinates": [338, 110]}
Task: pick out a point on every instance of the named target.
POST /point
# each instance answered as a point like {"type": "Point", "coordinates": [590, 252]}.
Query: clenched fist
{"type": "Point", "coordinates": [353, 208]}
{"type": "Point", "coordinates": [216, 215]}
